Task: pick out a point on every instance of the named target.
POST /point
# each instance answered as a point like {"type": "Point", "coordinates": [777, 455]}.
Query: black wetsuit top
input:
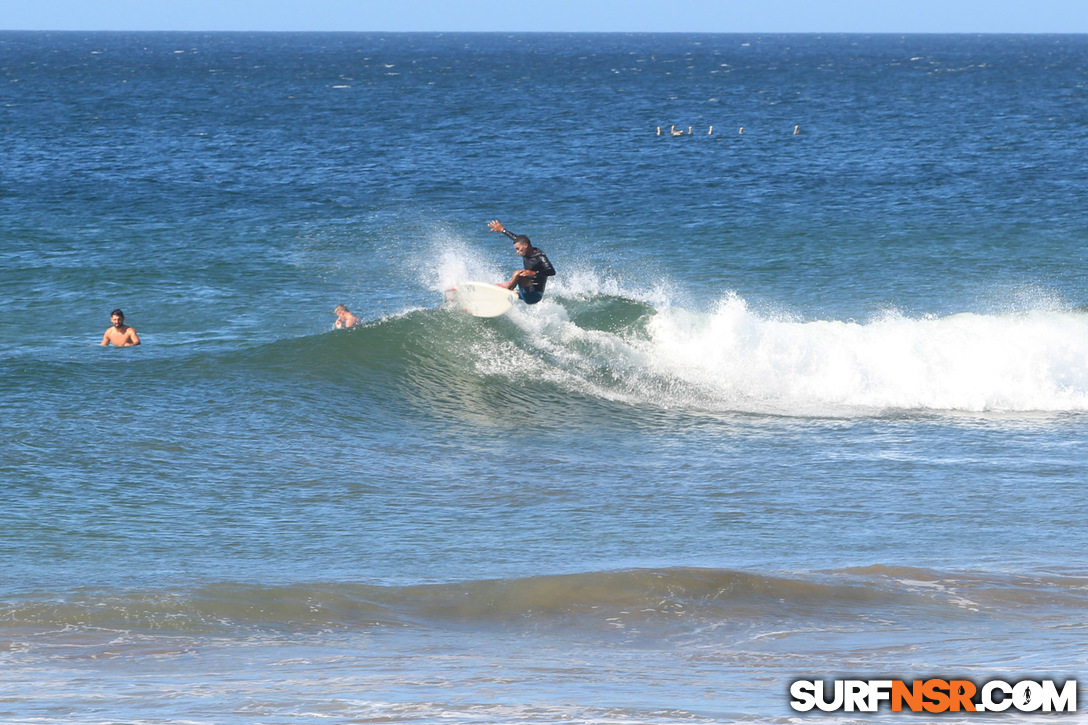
{"type": "Point", "coordinates": [537, 262]}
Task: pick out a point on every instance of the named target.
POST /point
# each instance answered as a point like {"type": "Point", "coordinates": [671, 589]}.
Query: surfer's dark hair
{"type": "Point", "coordinates": [118, 313]}
{"type": "Point", "coordinates": [522, 238]}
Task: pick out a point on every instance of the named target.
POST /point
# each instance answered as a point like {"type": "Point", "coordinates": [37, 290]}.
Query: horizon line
{"type": "Point", "coordinates": [551, 32]}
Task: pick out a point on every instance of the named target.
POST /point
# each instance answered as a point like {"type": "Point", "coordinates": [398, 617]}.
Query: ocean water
{"type": "Point", "coordinates": [796, 406]}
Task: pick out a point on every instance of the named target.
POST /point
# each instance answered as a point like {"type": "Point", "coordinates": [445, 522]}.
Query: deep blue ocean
{"type": "Point", "coordinates": [807, 398]}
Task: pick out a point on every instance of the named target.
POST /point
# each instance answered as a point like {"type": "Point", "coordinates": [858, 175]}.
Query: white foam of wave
{"type": "Point", "coordinates": [732, 358]}
{"type": "Point", "coordinates": [453, 260]}
{"type": "Point", "coordinates": [580, 282]}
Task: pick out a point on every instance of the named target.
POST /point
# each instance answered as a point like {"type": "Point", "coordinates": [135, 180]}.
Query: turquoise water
{"type": "Point", "coordinates": [795, 406]}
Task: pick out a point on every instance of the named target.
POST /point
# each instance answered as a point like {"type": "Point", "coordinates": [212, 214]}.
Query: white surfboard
{"type": "Point", "coordinates": [482, 299]}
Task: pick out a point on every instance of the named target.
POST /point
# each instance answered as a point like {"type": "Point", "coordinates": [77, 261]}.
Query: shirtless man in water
{"type": "Point", "coordinates": [121, 335]}
{"type": "Point", "coordinates": [344, 318]}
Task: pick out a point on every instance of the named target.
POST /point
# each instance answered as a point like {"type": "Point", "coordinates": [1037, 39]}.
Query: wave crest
{"type": "Point", "coordinates": [613, 355]}
{"type": "Point", "coordinates": [665, 600]}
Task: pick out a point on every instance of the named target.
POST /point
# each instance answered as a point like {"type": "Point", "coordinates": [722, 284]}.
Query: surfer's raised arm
{"type": "Point", "coordinates": [496, 226]}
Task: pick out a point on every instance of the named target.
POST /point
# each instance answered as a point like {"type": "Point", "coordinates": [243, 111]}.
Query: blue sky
{"type": "Point", "coordinates": [719, 16]}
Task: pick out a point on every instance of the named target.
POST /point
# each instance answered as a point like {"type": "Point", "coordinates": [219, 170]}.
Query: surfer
{"type": "Point", "coordinates": [120, 335]}
{"type": "Point", "coordinates": [344, 318]}
{"type": "Point", "coordinates": [529, 281]}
